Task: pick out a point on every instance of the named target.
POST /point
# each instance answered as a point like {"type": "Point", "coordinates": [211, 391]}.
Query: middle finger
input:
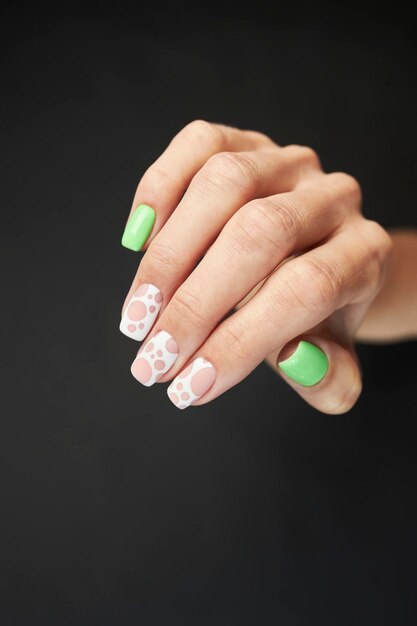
{"type": "Point", "coordinates": [257, 239]}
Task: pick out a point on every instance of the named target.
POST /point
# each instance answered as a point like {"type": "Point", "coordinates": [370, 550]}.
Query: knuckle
{"type": "Point", "coordinates": [311, 157]}
{"type": "Point", "coordinates": [380, 239]}
{"type": "Point", "coordinates": [233, 167]}
{"type": "Point", "coordinates": [232, 340]}
{"type": "Point", "coordinates": [285, 216]}
{"type": "Point", "coordinates": [326, 277]}
{"type": "Point", "coordinates": [157, 178]}
{"type": "Point", "coordinates": [319, 283]}
{"type": "Point", "coordinates": [308, 156]}
{"type": "Point", "coordinates": [379, 247]}
{"type": "Point", "coordinates": [349, 187]}
{"type": "Point", "coordinates": [265, 225]}
{"type": "Point", "coordinates": [246, 233]}
{"type": "Point", "coordinates": [203, 131]}
{"type": "Point", "coordinates": [188, 308]}
{"type": "Point", "coordinates": [161, 257]}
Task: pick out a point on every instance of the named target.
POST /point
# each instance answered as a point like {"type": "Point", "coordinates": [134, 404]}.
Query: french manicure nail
{"type": "Point", "coordinates": [308, 365]}
{"type": "Point", "coordinates": [192, 383]}
{"type": "Point", "coordinates": [155, 358]}
{"type": "Point", "coordinates": [139, 227]}
{"type": "Point", "coordinates": [141, 312]}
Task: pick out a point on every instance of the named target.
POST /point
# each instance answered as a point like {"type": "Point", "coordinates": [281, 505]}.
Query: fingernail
{"type": "Point", "coordinates": [307, 365]}
{"type": "Point", "coordinates": [155, 358]}
{"type": "Point", "coordinates": [141, 312]}
{"type": "Point", "coordinates": [192, 383]}
{"type": "Point", "coordinates": [138, 227]}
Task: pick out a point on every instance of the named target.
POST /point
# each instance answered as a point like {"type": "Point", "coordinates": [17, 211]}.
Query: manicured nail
{"type": "Point", "coordinates": [141, 312]}
{"type": "Point", "coordinates": [192, 383]}
{"type": "Point", "coordinates": [307, 365]}
{"type": "Point", "coordinates": [155, 358]}
{"type": "Point", "coordinates": [138, 227]}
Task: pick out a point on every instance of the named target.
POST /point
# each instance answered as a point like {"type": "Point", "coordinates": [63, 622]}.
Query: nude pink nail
{"type": "Point", "coordinates": [192, 383]}
{"type": "Point", "coordinates": [155, 358]}
{"type": "Point", "coordinates": [141, 312]}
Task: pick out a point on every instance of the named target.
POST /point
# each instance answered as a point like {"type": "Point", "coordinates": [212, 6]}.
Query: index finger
{"type": "Point", "coordinates": [166, 180]}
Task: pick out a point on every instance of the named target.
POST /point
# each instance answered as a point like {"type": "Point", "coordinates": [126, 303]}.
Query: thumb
{"type": "Point", "coordinates": [322, 370]}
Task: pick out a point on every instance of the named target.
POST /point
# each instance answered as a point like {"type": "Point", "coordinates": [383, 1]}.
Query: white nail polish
{"type": "Point", "coordinates": [192, 383]}
{"type": "Point", "coordinates": [141, 312]}
{"type": "Point", "coordinates": [155, 358]}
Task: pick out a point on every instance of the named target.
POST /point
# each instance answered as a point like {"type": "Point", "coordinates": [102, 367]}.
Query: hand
{"type": "Point", "coordinates": [238, 221]}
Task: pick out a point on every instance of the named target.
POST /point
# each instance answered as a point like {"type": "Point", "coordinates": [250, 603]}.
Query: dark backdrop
{"type": "Point", "coordinates": [116, 508]}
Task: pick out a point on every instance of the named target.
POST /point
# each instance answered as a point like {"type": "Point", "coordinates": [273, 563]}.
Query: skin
{"type": "Point", "coordinates": [255, 247]}
{"type": "Point", "coordinates": [392, 315]}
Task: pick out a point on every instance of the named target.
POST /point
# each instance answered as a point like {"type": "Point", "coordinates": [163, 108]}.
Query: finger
{"type": "Point", "coordinates": [165, 181]}
{"type": "Point", "coordinates": [298, 296]}
{"type": "Point", "coordinates": [221, 187]}
{"type": "Point", "coordinates": [323, 371]}
{"type": "Point", "coordinates": [251, 245]}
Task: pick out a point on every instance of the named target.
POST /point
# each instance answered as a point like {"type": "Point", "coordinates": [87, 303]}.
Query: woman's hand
{"type": "Point", "coordinates": [238, 221]}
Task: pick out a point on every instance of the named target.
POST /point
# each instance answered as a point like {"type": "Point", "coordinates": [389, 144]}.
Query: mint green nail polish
{"type": "Point", "coordinates": [138, 227]}
{"type": "Point", "coordinates": [307, 365]}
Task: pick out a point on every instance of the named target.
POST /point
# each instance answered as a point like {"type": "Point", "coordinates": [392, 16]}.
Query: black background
{"type": "Point", "coordinates": [116, 508]}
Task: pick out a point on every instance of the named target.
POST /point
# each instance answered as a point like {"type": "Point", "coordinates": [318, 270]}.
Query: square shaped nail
{"type": "Point", "coordinates": [138, 227]}
{"type": "Point", "coordinates": [141, 312]}
{"type": "Point", "coordinates": [192, 383]}
{"type": "Point", "coordinates": [155, 358]}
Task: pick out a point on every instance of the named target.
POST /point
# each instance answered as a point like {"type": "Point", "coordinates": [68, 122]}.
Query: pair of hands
{"type": "Point", "coordinates": [252, 253]}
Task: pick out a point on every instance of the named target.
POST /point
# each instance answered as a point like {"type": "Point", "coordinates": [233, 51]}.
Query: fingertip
{"type": "Point", "coordinates": [325, 373]}
{"type": "Point", "coordinates": [341, 403]}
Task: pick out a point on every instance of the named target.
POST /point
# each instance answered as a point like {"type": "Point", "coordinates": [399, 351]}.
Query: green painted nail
{"type": "Point", "coordinates": [307, 365]}
{"type": "Point", "coordinates": [138, 227]}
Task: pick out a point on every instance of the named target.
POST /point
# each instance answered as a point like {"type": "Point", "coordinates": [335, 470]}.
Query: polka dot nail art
{"type": "Point", "coordinates": [141, 312]}
{"type": "Point", "coordinates": [192, 383]}
{"type": "Point", "coordinates": [155, 358]}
